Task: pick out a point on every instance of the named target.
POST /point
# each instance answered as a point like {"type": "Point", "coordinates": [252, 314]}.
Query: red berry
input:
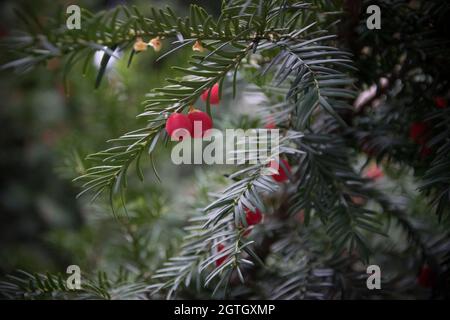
{"type": "Point", "coordinates": [252, 218]}
{"type": "Point", "coordinates": [440, 102]}
{"type": "Point", "coordinates": [221, 260]}
{"type": "Point", "coordinates": [417, 131]}
{"type": "Point", "coordinates": [283, 170]}
{"type": "Point", "coordinates": [175, 123]}
{"type": "Point", "coordinates": [374, 172]}
{"type": "Point", "coordinates": [214, 98]}
{"type": "Point", "coordinates": [426, 277]}
{"type": "Point", "coordinates": [201, 122]}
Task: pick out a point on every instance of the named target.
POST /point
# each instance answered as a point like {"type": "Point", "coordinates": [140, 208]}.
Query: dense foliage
{"type": "Point", "coordinates": [365, 139]}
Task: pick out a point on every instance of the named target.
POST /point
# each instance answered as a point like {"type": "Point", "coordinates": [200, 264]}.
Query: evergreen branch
{"type": "Point", "coordinates": [436, 180]}
{"type": "Point", "coordinates": [327, 187]}
{"type": "Point", "coordinates": [230, 30]}
{"type": "Point", "coordinates": [327, 183]}
{"type": "Point", "coordinates": [308, 276]}
{"type": "Point", "coordinates": [49, 286]}
{"type": "Point", "coordinates": [120, 27]}
{"type": "Point", "coordinates": [313, 69]}
{"type": "Point", "coordinates": [224, 223]}
{"type": "Point", "coordinates": [113, 163]}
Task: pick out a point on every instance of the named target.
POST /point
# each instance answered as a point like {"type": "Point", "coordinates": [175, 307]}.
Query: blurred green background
{"type": "Point", "coordinates": [47, 131]}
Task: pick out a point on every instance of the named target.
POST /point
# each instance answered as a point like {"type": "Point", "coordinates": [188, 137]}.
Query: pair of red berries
{"type": "Point", "coordinates": [179, 125]}
{"type": "Point", "coordinates": [194, 124]}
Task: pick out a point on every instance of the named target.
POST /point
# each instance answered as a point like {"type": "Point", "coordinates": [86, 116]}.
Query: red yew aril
{"type": "Point", "coordinates": [284, 169]}
{"type": "Point", "coordinates": [418, 131]}
{"type": "Point", "coordinates": [221, 260]}
{"type": "Point", "coordinates": [201, 122]}
{"type": "Point", "coordinates": [252, 218]}
{"type": "Point", "coordinates": [178, 125]}
{"type": "Point", "coordinates": [214, 98]}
